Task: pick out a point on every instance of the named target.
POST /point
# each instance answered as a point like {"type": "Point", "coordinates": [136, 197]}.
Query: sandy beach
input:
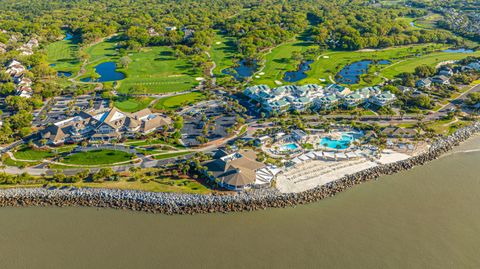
{"type": "Point", "coordinates": [316, 173]}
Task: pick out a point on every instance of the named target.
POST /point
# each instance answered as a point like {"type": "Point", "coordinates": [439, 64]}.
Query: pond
{"type": "Point", "coordinates": [461, 50]}
{"type": "Point", "coordinates": [351, 73]}
{"type": "Point", "coordinates": [64, 74]}
{"type": "Point", "coordinates": [68, 36]}
{"type": "Point", "coordinates": [107, 72]}
{"type": "Point", "coordinates": [244, 69]}
{"type": "Point", "coordinates": [294, 76]}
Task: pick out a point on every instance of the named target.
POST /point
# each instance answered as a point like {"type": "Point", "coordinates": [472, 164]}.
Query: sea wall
{"type": "Point", "coordinates": [172, 203]}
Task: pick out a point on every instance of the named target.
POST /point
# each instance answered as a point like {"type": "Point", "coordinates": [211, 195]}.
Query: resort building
{"type": "Point", "coordinates": [353, 100]}
{"type": "Point", "coordinates": [383, 99]}
{"type": "Point", "coordinates": [339, 90]}
{"type": "Point", "coordinates": [301, 98]}
{"type": "Point", "coordinates": [299, 135]}
{"type": "Point", "coordinates": [239, 170]}
{"type": "Point", "coordinates": [326, 102]}
{"type": "Point", "coordinates": [284, 98]}
{"type": "Point", "coordinates": [103, 125]}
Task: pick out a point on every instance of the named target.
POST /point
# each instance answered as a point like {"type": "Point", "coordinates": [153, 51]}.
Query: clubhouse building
{"type": "Point", "coordinates": [239, 170]}
{"type": "Point", "coordinates": [103, 125]}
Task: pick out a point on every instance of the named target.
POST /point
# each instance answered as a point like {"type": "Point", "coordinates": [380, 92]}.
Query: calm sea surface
{"type": "Point", "coordinates": [428, 217]}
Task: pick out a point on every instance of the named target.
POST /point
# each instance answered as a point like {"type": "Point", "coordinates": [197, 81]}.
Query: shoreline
{"type": "Point", "coordinates": [176, 203]}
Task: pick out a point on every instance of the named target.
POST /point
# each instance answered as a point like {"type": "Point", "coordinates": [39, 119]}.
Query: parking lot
{"type": "Point", "coordinates": [217, 121]}
{"type": "Point", "coordinates": [60, 108]}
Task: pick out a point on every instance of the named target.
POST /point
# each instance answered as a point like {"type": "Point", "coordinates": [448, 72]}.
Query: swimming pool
{"type": "Point", "coordinates": [289, 147]}
{"type": "Point", "coordinates": [343, 143]}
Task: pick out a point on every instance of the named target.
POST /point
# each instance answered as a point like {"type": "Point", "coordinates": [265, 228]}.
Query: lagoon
{"type": "Point", "coordinates": [244, 70]}
{"type": "Point", "coordinates": [351, 73]}
{"type": "Point", "coordinates": [299, 74]}
{"type": "Point", "coordinates": [462, 50]}
{"type": "Point", "coordinates": [107, 72]}
{"type": "Point", "coordinates": [64, 74]}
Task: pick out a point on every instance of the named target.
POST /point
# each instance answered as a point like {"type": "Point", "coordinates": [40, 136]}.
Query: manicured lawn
{"type": "Point", "coordinates": [97, 157]}
{"type": "Point", "coordinates": [63, 54]}
{"type": "Point", "coordinates": [223, 52]}
{"type": "Point", "coordinates": [429, 21]}
{"type": "Point", "coordinates": [403, 59]}
{"type": "Point", "coordinates": [152, 69]}
{"type": "Point", "coordinates": [10, 162]}
{"type": "Point", "coordinates": [133, 104]}
{"type": "Point", "coordinates": [26, 153]}
{"type": "Point", "coordinates": [279, 61]}
{"type": "Point", "coordinates": [155, 185]}
{"type": "Point", "coordinates": [170, 155]}
{"type": "Point", "coordinates": [432, 59]}
{"type": "Point", "coordinates": [158, 71]}
{"type": "Point", "coordinates": [178, 101]}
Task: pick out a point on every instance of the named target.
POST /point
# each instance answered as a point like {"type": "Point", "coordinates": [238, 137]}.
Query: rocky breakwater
{"type": "Point", "coordinates": [171, 203]}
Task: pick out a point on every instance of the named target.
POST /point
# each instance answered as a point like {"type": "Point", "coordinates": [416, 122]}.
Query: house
{"type": "Point", "coordinates": [171, 28]}
{"type": "Point", "coordinates": [187, 33]}
{"type": "Point", "coordinates": [236, 171]}
{"type": "Point", "coordinates": [405, 89]}
{"type": "Point", "coordinates": [24, 82]}
{"type": "Point", "coordinates": [473, 66]}
{"type": "Point", "coordinates": [151, 31]}
{"type": "Point", "coordinates": [15, 69]}
{"type": "Point", "coordinates": [3, 48]}
{"type": "Point", "coordinates": [32, 43]}
{"type": "Point", "coordinates": [446, 71]}
{"type": "Point", "coordinates": [24, 91]}
{"type": "Point", "coordinates": [423, 83]}
{"type": "Point", "coordinates": [383, 99]}
{"type": "Point", "coordinates": [441, 80]}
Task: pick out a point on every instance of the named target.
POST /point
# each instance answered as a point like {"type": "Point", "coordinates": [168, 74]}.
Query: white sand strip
{"type": "Point", "coordinates": [302, 182]}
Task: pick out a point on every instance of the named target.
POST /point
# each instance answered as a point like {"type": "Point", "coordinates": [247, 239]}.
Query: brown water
{"type": "Point", "coordinates": [428, 217]}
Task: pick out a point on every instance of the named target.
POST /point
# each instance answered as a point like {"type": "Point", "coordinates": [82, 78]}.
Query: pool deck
{"type": "Point", "coordinates": [311, 174]}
